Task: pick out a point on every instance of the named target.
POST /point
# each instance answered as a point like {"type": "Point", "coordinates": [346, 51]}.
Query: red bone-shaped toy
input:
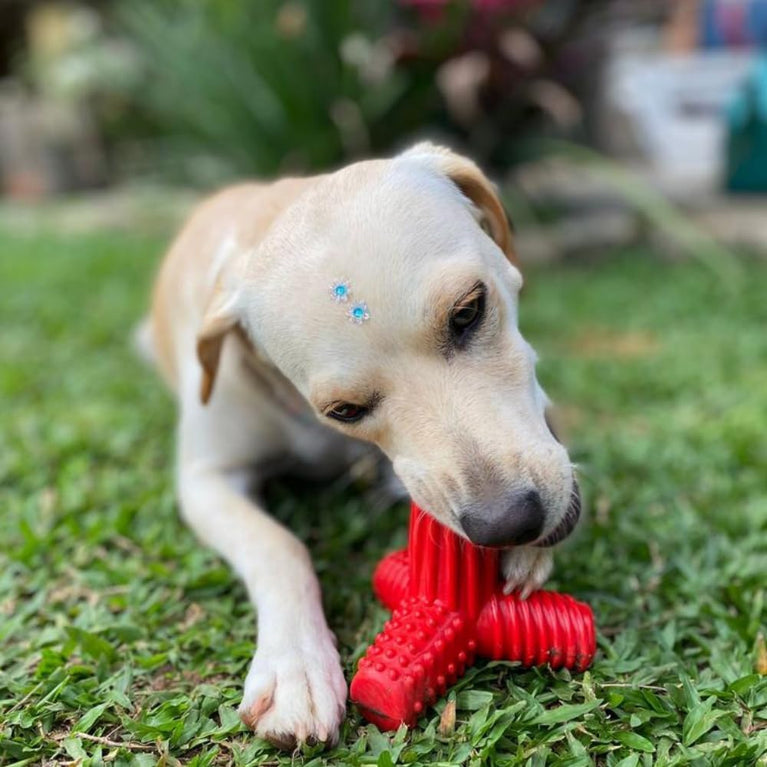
{"type": "Point", "coordinates": [448, 606]}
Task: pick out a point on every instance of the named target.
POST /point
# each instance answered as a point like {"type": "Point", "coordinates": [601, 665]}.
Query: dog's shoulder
{"type": "Point", "coordinates": [229, 222]}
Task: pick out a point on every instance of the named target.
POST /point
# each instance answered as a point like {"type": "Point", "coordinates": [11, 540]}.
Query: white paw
{"type": "Point", "coordinates": [525, 568]}
{"type": "Point", "coordinates": [295, 693]}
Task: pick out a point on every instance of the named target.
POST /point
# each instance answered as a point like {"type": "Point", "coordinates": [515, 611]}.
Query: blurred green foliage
{"type": "Point", "coordinates": [270, 86]}
{"type": "Point", "coordinates": [275, 86]}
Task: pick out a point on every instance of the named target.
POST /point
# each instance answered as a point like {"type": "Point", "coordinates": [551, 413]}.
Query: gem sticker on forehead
{"type": "Point", "coordinates": [340, 290]}
{"type": "Point", "coordinates": [358, 313]}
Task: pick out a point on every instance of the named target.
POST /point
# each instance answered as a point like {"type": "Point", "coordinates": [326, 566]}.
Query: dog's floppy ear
{"type": "Point", "coordinates": [220, 318]}
{"type": "Point", "coordinates": [476, 187]}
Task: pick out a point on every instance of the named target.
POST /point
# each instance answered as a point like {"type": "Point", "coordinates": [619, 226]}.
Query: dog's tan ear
{"type": "Point", "coordinates": [220, 318]}
{"type": "Point", "coordinates": [475, 186]}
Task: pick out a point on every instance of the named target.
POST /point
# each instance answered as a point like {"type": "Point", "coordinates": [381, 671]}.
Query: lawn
{"type": "Point", "coordinates": [124, 641]}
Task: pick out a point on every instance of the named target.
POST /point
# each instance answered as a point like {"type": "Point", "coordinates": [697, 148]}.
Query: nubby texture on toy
{"type": "Point", "coordinates": [448, 607]}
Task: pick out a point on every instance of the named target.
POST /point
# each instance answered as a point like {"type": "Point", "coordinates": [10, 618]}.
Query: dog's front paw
{"type": "Point", "coordinates": [525, 568]}
{"type": "Point", "coordinates": [295, 693]}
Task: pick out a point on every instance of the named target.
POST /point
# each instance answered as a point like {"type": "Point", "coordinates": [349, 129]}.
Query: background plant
{"type": "Point", "coordinates": [268, 87]}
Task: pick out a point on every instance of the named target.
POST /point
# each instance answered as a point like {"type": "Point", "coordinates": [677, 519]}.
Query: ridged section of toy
{"type": "Point", "coordinates": [444, 566]}
{"type": "Point", "coordinates": [546, 628]}
{"type": "Point", "coordinates": [423, 648]}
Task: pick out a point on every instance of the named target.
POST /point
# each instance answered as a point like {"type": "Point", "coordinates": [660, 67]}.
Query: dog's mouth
{"type": "Point", "coordinates": [568, 523]}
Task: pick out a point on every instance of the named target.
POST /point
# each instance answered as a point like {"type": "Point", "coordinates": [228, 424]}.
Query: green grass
{"type": "Point", "coordinates": [116, 627]}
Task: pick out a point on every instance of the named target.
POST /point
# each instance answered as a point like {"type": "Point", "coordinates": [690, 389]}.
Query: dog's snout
{"type": "Point", "coordinates": [518, 520]}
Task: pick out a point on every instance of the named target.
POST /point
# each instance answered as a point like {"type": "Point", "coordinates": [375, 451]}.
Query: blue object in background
{"type": "Point", "coordinates": [733, 23]}
{"type": "Point", "coordinates": [747, 134]}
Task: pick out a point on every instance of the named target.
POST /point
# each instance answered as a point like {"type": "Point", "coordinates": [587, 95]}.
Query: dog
{"type": "Point", "coordinates": [299, 320]}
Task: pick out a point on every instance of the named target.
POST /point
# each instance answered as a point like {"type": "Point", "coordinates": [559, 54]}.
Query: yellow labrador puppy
{"type": "Point", "coordinates": [374, 304]}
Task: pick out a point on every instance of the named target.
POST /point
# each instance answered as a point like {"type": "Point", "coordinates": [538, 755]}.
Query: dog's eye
{"type": "Point", "coordinates": [467, 314]}
{"type": "Point", "coordinates": [347, 412]}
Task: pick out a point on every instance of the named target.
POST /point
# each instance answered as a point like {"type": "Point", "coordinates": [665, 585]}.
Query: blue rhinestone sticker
{"type": "Point", "coordinates": [340, 290]}
{"type": "Point", "coordinates": [359, 313]}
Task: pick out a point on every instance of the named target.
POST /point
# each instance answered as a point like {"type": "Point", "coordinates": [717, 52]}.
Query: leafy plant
{"type": "Point", "coordinates": [276, 85]}
{"type": "Point", "coordinates": [270, 86]}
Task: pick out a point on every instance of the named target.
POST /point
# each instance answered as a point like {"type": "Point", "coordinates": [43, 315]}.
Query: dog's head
{"type": "Point", "coordinates": [387, 294]}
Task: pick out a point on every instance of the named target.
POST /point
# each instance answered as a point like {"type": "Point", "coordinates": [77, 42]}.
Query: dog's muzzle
{"type": "Point", "coordinates": [568, 523]}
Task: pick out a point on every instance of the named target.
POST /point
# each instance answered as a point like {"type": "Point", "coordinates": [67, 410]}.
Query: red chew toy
{"type": "Point", "coordinates": [448, 605]}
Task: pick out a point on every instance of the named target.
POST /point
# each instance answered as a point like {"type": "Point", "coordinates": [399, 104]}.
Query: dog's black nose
{"type": "Point", "coordinates": [516, 521]}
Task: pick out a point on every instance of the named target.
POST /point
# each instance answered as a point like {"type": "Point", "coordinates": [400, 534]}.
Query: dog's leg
{"type": "Point", "coordinates": [295, 690]}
